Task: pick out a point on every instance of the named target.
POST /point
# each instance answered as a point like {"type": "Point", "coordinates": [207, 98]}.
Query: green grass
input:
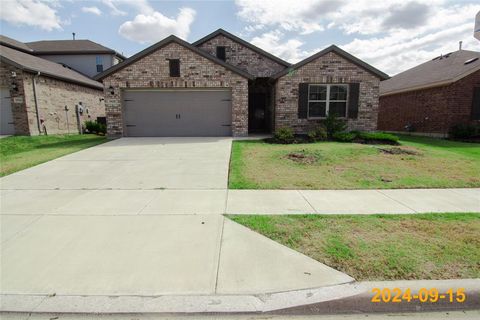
{"type": "Point", "coordinates": [381, 247]}
{"type": "Point", "coordinates": [21, 152]}
{"type": "Point", "coordinates": [435, 163]}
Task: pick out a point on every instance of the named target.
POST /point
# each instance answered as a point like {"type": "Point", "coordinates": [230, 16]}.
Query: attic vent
{"type": "Point", "coordinates": [442, 56]}
{"type": "Point", "coordinates": [471, 60]}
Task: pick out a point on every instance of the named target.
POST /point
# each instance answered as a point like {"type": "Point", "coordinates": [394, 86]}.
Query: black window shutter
{"type": "Point", "coordinates": [303, 100]}
{"type": "Point", "coordinates": [174, 65]}
{"type": "Point", "coordinates": [354, 91]}
{"type": "Point", "coordinates": [476, 104]}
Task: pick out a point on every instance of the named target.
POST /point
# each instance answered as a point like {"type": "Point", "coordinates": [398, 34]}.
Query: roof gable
{"type": "Point", "coordinates": [439, 71]}
{"type": "Point", "coordinates": [161, 44]}
{"type": "Point", "coordinates": [340, 52]}
{"type": "Point", "coordinates": [34, 64]}
{"type": "Point", "coordinates": [242, 42]}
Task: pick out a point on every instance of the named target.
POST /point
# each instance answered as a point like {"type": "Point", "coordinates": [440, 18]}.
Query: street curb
{"type": "Point", "coordinates": [361, 303]}
{"type": "Point", "coordinates": [345, 298]}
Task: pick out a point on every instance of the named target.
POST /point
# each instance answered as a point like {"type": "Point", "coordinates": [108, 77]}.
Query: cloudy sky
{"type": "Point", "coordinates": [389, 34]}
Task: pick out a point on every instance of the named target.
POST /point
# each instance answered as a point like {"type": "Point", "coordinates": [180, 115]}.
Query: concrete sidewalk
{"type": "Point", "coordinates": [352, 201]}
{"type": "Point", "coordinates": [217, 201]}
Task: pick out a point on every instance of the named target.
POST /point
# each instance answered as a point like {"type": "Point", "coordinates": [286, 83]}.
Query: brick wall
{"type": "Point", "coordinates": [432, 110]}
{"type": "Point", "coordinates": [152, 71]}
{"type": "Point", "coordinates": [52, 96]}
{"type": "Point", "coordinates": [329, 68]}
{"type": "Point", "coordinates": [243, 57]}
{"type": "Point", "coordinates": [17, 97]}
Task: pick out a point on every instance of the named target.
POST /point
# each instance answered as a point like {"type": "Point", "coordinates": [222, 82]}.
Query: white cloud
{"type": "Point", "coordinates": [289, 15]}
{"type": "Point", "coordinates": [33, 13]}
{"type": "Point", "coordinates": [289, 50]}
{"type": "Point", "coordinates": [392, 35]}
{"type": "Point", "coordinates": [154, 26]}
{"type": "Point", "coordinates": [113, 8]}
{"type": "Point", "coordinates": [402, 49]}
{"type": "Point", "coordinates": [141, 6]}
{"type": "Point", "coordinates": [92, 10]}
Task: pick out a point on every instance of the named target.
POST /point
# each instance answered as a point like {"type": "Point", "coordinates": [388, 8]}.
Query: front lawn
{"type": "Point", "coordinates": [418, 162]}
{"type": "Point", "coordinates": [21, 152]}
{"type": "Point", "coordinates": [381, 247]}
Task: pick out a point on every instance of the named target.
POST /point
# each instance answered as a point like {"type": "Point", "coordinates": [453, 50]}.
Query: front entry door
{"type": "Point", "coordinates": [257, 109]}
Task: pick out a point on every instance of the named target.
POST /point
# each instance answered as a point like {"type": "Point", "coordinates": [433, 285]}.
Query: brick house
{"type": "Point", "coordinates": [431, 98]}
{"type": "Point", "coordinates": [222, 85]}
{"type": "Point", "coordinates": [38, 95]}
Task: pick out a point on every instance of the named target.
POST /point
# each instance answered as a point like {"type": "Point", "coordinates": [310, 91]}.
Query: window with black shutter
{"type": "Point", "coordinates": [476, 104]}
{"type": "Point", "coordinates": [354, 93]}
{"type": "Point", "coordinates": [325, 99]}
{"type": "Point", "coordinates": [221, 53]}
{"type": "Point", "coordinates": [174, 67]}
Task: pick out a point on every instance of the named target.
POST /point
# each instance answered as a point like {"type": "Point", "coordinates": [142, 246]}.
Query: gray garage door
{"type": "Point", "coordinates": [177, 113]}
{"type": "Point", "coordinates": [6, 118]}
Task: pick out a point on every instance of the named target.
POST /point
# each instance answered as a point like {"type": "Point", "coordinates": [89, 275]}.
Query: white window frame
{"type": "Point", "coordinates": [327, 101]}
{"type": "Point", "coordinates": [99, 59]}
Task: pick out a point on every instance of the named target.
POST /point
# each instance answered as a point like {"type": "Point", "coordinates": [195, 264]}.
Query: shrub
{"type": "Point", "coordinates": [378, 137]}
{"type": "Point", "coordinates": [333, 125]}
{"type": "Point", "coordinates": [102, 128]}
{"type": "Point", "coordinates": [284, 135]}
{"type": "Point", "coordinates": [463, 131]}
{"type": "Point", "coordinates": [95, 127]}
{"type": "Point", "coordinates": [344, 136]}
{"type": "Point", "coordinates": [317, 134]}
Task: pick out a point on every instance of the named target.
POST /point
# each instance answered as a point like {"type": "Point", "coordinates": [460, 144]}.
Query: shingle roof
{"type": "Point", "coordinates": [69, 47]}
{"type": "Point", "coordinates": [34, 64]}
{"type": "Point", "coordinates": [163, 43]}
{"type": "Point", "coordinates": [12, 43]}
{"type": "Point", "coordinates": [242, 42]}
{"type": "Point", "coordinates": [439, 71]}
{"type": "Point", "coordinates": [340, 52]}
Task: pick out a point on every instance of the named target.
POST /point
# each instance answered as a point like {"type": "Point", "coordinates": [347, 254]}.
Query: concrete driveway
{"type": "Point", "coordinates": [138, 217]}
{"type": "Point", "coordinates": [133, 164]}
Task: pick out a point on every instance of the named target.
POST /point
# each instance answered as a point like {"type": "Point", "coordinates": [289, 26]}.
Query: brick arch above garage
{"type": "Point", "coordinates": [196, 71]}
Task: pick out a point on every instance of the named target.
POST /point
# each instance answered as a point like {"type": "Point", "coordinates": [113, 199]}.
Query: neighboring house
{"type": "Point", "coordinates": [434, 96]}
{"type": "Point", "coordinates": [222, 86]}
{"type": "Point", "coordinates": [84, 56]}
{"type": "Point", "coordinates": [38, 95]}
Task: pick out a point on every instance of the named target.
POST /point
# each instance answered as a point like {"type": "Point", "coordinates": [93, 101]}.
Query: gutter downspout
{"type": "Point", "coordinates": [36, 101]}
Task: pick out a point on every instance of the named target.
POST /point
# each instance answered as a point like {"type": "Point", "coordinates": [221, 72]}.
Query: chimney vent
{"type": "Point", "coordinates": [73, 35]}
{"type": "Point", "coordinates": [460, 45]}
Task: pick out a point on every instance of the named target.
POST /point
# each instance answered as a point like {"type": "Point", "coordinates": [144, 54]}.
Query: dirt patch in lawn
{"type": "Point", "coordinates": [381, 247]}
{"type": "Point", "coordinates": [400, 151]}
{"type": "Point", "coordinates": [302, 157]}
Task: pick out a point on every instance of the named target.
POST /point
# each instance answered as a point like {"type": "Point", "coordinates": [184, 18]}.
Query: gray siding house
{"type": "Point", "coordinates": [84, 56]}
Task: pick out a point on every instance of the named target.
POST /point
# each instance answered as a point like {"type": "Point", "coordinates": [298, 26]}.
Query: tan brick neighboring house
{"type": "Point", "coordinates": [431, 98]}
{"type": "Point", "coordinates": [35, 94]}
{"type": "Point", "coordinates": [222, 85]}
